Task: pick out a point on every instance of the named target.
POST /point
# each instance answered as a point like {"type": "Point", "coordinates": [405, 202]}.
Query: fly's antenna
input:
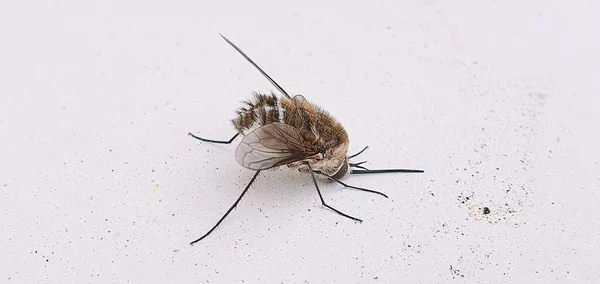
{"type": "Point", "coordinates": [279, 88]}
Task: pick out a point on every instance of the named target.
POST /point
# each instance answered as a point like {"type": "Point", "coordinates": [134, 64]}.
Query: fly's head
{"type": "Point", "coordinates": [332, 161]}
{"type": "Point", "coordinates": [343, 170]}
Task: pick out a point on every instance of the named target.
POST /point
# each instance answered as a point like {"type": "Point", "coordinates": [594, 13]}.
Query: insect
{"type": "Point", "coordinates": [292, 131]}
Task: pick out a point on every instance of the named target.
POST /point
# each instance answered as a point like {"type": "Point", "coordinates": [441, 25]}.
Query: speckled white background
{"type": "Point", "coordinates": [497, 100]}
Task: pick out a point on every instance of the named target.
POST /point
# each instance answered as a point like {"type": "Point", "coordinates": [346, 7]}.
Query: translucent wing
{"type": "Point", "coordinates": [274, 145]}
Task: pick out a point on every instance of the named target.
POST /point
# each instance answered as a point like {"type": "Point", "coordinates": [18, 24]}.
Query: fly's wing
{"type": "Point", "coordinates": [274, 145]}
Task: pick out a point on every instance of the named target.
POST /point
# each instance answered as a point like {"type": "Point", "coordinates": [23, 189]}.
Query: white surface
{"type": "Point", "coordinates": [496, 100]}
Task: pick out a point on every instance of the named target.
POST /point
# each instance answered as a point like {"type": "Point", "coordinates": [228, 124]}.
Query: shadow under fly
{"type": "Point", "coordinates": [292, 131]}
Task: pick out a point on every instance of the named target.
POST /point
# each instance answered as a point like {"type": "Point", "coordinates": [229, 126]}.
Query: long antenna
{"type": "Point", "coordinates": [279, 88]}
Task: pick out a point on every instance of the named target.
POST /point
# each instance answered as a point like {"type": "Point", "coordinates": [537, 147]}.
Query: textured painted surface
{"type": "Point", "coordinates": [496, 100]}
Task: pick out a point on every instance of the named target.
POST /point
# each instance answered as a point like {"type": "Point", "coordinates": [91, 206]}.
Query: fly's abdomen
{"type": "Point", "coordinates": [261, 110]}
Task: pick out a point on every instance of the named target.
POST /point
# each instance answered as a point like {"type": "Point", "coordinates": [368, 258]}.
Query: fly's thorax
{"type": "Point", "coordinates": [331, 137]}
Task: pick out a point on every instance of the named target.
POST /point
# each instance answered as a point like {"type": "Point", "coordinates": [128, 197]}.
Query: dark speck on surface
{"type": "Point", "coordinates": [486, 210]}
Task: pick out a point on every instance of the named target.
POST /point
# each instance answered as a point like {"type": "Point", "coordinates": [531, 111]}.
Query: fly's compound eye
{"type": "Point", "coordinates": [342, 171]}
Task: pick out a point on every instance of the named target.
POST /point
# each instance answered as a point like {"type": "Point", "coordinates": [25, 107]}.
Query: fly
{"type": "Point", "coordinates": [291, 131]}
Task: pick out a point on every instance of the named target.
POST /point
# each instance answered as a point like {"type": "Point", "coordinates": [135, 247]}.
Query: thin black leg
{"type": "Point", "coordinates": [256, 66]}
{"type": "Point", "coordinates": [323, 201]}
{"type": "Point", "coordinates": [215, 141]}
{"type": "Point", "coordinates": [355, 187]}
{"type": "Point", "coordinates": [360, 152]}
{"type": "Point", "coordinates": [228, 211]}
